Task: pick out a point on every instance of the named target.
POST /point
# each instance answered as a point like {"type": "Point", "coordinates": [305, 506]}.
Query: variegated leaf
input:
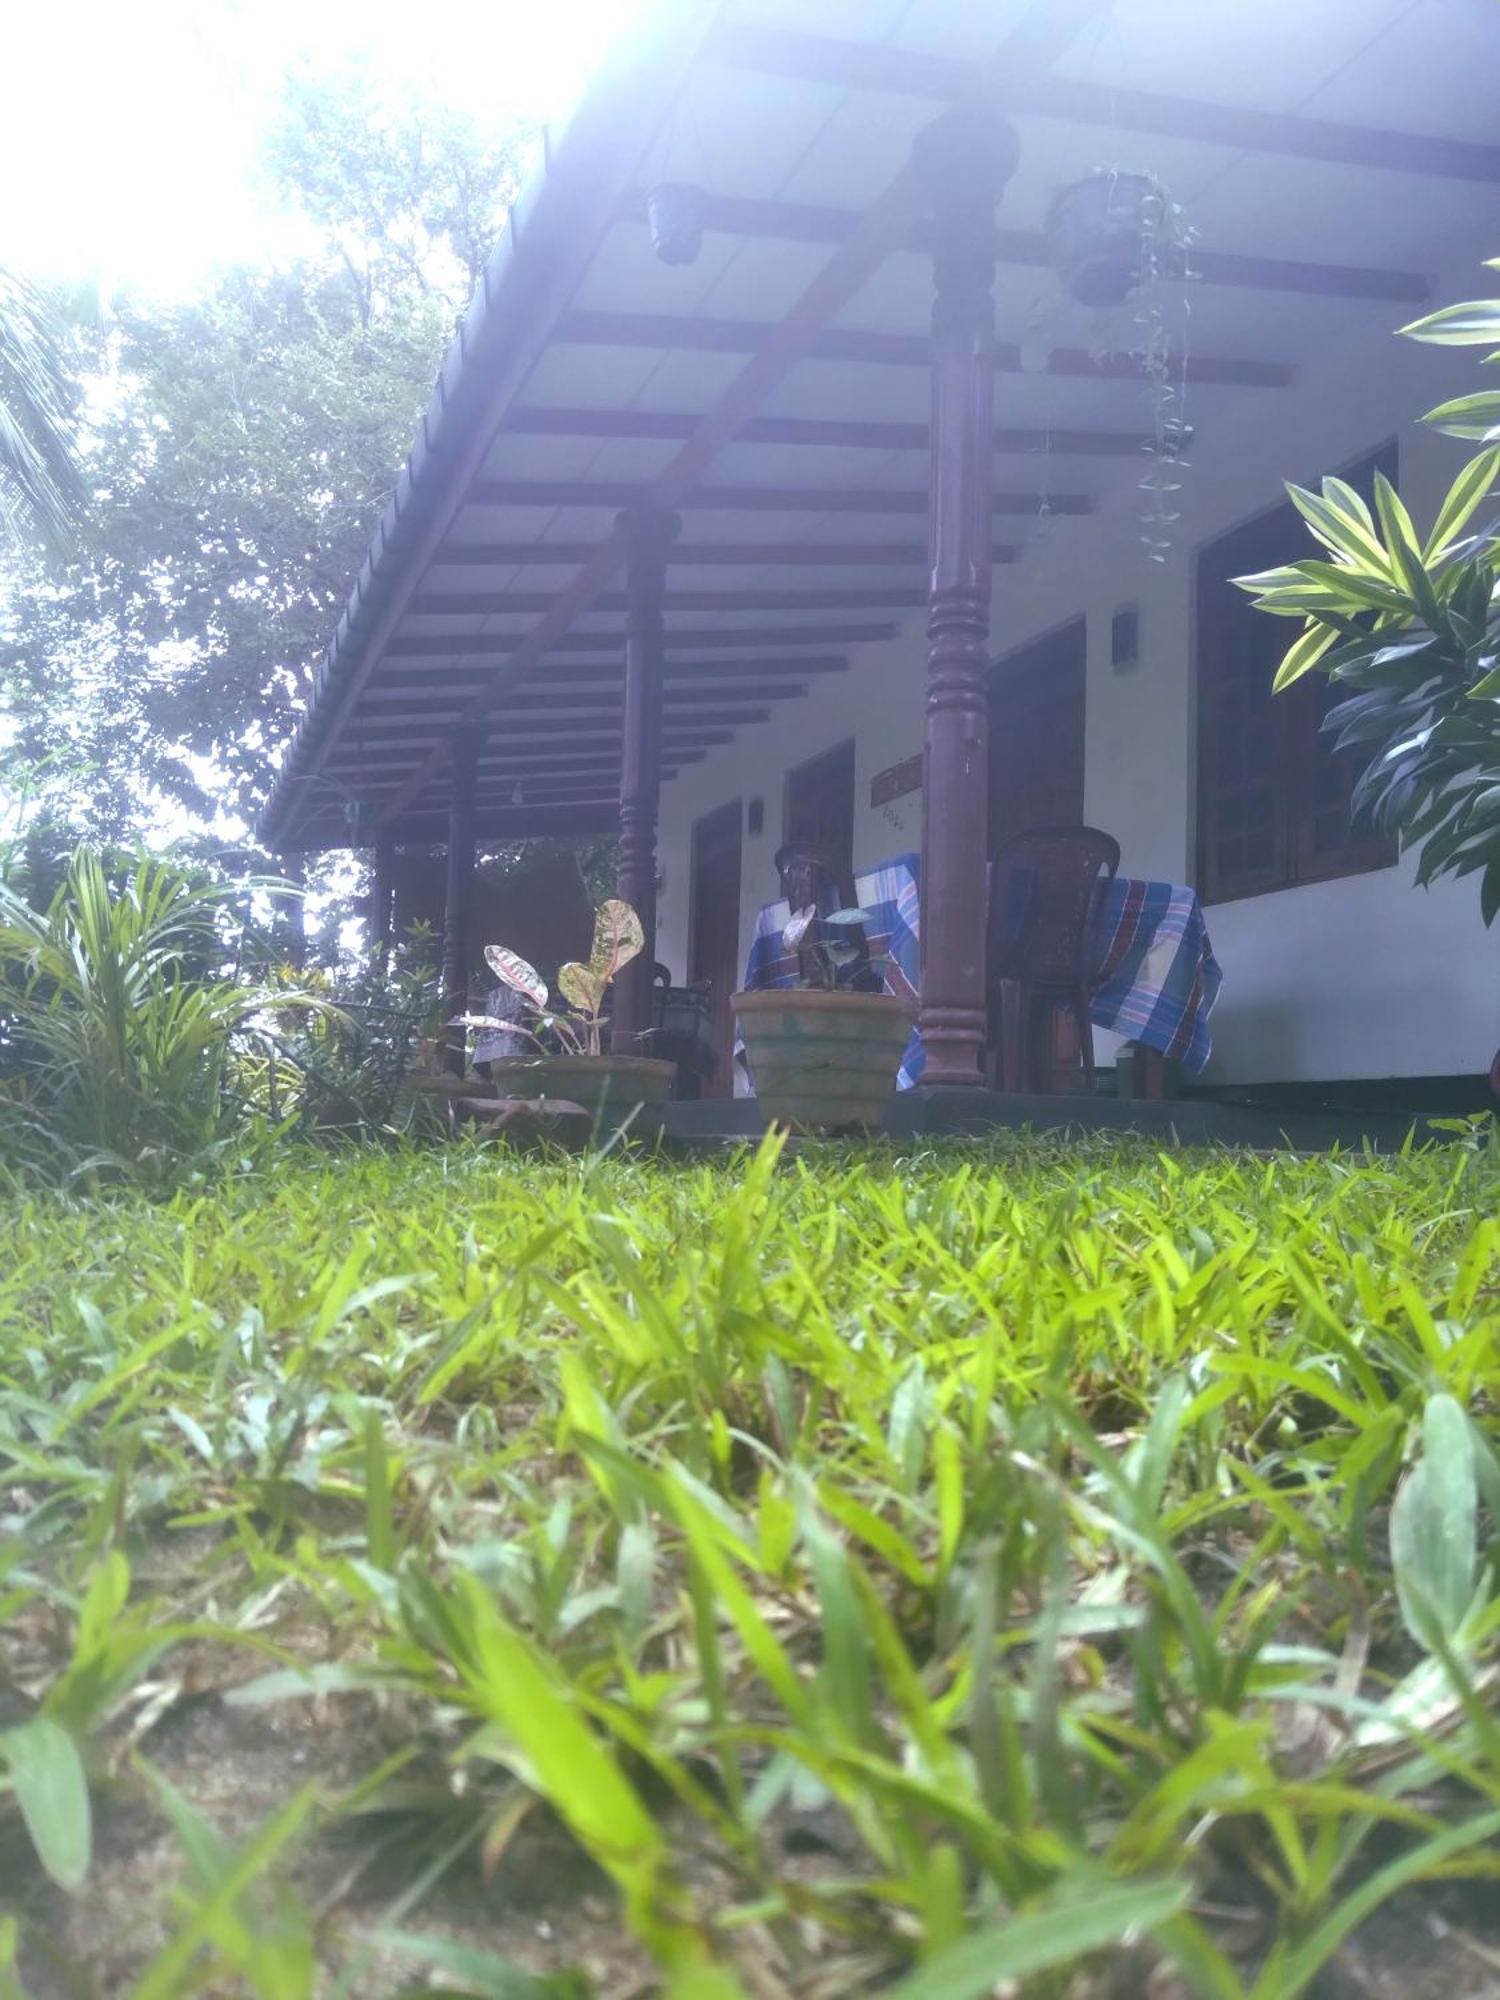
{"type": "Point", "coordinates": [618, 938]}
{"type": "Point", "coordinates": [581, 986]}
{"type": "Point", "coordinates": [512, 970]}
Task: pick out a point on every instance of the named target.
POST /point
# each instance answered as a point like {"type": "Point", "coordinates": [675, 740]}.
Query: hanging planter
{"type": "Point", "coordinates": [1105, 232]}
{"type": "Point", "coordinates": [675, 212]}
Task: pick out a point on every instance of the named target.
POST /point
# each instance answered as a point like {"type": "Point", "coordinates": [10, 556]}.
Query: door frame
{"type": "Point", "coordinates": [701, 830]}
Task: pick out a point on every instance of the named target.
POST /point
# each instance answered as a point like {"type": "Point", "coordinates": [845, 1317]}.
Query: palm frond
{"type": "Point", "coordinates": [41, 492]}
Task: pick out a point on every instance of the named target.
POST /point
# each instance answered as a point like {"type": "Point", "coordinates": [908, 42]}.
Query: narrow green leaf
{"type": "Point", "coordinates": [380, 1520]}
{"type": "Point", "coordinates": [1464, 496]}
{"type": "Point", "coordinates": [1303, 655]}
{"type": "Point", "coordinates": [1476, 417]}
{"type": "Point", "coordinates": [1433, 1525]}
{"type": "Point", "coordinates": [46, 1774]}
{"type": "Point", "coordinates": [1473, 323]}
{"type": "Point", "coordinates": [1086, 1918]}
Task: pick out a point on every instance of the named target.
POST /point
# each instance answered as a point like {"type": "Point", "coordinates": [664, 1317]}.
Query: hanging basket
{"type": "Point", "coordinates": [1098, 232]}
{"type": "Point", "coordinates": [675, 212]}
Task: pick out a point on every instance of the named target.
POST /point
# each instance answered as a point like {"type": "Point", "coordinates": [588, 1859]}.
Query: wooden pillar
{"type": "Point", "coordinates": [648, 532]}
{"type": "Point", "coordinates": [458, 895]}
{"type": "Point", "coordinates": [382, 897]}
{"type": "Point", "coordinates": [963, 163]}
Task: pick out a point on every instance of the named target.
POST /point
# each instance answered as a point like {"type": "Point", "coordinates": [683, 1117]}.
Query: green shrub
{"type": "Point", "coordinates": [120, 1016]}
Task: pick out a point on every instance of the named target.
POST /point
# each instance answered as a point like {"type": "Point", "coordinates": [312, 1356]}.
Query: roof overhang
{"type": "Point", "coordinates": [775, 390]}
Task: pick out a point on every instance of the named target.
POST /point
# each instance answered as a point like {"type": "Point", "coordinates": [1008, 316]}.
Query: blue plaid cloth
{"type": "Point", "coordinates": [889, 895]}
{"type": "Point", "coordinates": [1159, 976]}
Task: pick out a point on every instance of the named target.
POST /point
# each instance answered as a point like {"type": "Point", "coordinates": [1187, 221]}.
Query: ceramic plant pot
{"type": "Point", "coordinates": [824, 1061]}
{"type": "Point", "coordinates": [608, 1087]}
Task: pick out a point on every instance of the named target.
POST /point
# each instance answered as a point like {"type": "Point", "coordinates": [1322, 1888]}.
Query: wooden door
{"type": "Point", "coordinates": [1036, 735]}
{"type": "Point", "coordinates": [714, 931]}
{"type": "Point", "coordinates": [820, 806]}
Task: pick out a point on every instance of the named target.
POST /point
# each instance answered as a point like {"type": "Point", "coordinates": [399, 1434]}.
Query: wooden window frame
{"type": "Point", "coordinates": [845, 747]}
{"type": "Point", "coordinates": [1296, 743]}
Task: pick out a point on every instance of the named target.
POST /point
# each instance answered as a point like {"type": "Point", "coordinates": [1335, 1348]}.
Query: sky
{"type": "Point", "coordinates": [130, 126]}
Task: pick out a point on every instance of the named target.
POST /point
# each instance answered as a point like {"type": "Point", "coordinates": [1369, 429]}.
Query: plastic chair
{"type": "Point", "coordinates": [1042, 889]}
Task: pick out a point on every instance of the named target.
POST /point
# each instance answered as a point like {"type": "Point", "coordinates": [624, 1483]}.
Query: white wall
{"type": "Point", "coordinates": [1363, 977]}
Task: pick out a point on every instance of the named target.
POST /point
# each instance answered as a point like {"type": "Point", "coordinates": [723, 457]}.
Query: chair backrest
{"type": "Point", "coordinates": [1042, 889]}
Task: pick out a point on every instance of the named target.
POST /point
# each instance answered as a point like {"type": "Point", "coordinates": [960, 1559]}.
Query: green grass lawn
{"type": "Point", "coordinates": [464, 1573]}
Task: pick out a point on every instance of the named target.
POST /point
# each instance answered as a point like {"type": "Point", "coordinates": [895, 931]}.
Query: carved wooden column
{"type": "Point", "coordinates": [458, 896]}
{"type": "Point", "coordinates": [648, 532]}
{"type": "Point", "coordinates": [963, 163]}
{"type": "Point", "coordinates": [382, 898]}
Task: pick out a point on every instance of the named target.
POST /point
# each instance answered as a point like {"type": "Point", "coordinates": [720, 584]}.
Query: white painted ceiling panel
{"type": "Point", "coordinates": [1435, 68]}
{"type": "Point", "coordinates": [1270, 55]}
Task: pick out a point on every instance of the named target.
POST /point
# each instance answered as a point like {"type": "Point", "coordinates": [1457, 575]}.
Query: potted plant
{"type": "Point", "coordinates": [1112, 232]}
{"type": "Point", "coordinates": [571, 1064]}
{"type": "Point", "coordinates": [824, 1053]}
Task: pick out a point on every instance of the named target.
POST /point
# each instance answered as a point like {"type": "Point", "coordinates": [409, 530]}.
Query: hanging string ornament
{"type": "Point", "coordinates": [1114, 237]}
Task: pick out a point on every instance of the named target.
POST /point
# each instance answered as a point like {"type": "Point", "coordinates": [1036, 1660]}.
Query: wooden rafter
{"type": "Point", "coordinates": [614, 495]}
{"type": "Point", "coordinates": [809, 222]}
{"type": "Point", "coordinates": [471, 603]}
{"type": "Point", "coordinates": [606, 674]}
{"type": "Point", "coordinates": [428, 646]}
{"type": "Point", "coordinates": [699, 333]}
{"type": "Point", "coordinates": [852, 433]}
{"type": "Point", "coordinates": [920, 73]}
{"type": "Point", "coordinates": [730, 555]}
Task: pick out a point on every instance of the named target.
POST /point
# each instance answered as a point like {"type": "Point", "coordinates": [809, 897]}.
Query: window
{"type": "Point", "coordinates": [1273, 795]}
{"type": "Point", "coordinates": [820, 806]}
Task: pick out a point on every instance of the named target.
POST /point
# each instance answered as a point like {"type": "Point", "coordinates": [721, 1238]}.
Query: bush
{"type": "Point", "coordinates": [121, 1018]}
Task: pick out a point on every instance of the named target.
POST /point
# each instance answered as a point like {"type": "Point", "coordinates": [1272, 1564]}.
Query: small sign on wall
{"type": "Point", "coordinates": [898, 782]}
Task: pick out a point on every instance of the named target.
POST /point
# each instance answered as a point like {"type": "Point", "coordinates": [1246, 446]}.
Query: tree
{"type": "Point", "coordinates": [1411, 626]}
{"type": "Point", "coordinates": [40, 493]}
{"type": "Point", "coordinates": [241, 449]}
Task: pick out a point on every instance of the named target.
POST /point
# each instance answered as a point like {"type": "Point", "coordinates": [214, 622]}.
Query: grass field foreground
{"type": "Point", "coordinates": [1070, 1565]}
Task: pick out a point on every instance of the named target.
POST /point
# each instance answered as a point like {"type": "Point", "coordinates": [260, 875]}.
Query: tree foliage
{"type": "Point", "coordinates": [1411, 627]}
{"type": "Point", "coordinates": [240, 448]}
{"type": "Point", "coordinates": [40, 493]}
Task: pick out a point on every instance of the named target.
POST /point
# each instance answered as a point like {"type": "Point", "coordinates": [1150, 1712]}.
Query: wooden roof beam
{"type": "Point", "coordinates": [755, 499]}
{"type": "Point", "coordinates": [602, 674]}
{"type": "Point", "coordinates": [473, 603]}
{"type": "Point", "coordinates": [603, 697]}
{"type": "Point", "coordinates": [428, 645]}
{"type": "Point", "coordinates": [399, 723]}
{"type": "Point", "coordinates": [809, 222]}
{"type": "Point", "coordinates": [493, 825]}
{"type": "Point", "coordinates": [730, 555]}
{"type": "Point", "coordinates": [701, 334]}
{"type": "Point", "coordinates": [918, 73]}
{"type": "Point", "coordinates": [827, 433]}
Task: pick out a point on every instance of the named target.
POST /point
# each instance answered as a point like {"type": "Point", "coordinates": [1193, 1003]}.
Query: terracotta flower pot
{"type": "Point", "coordinates": [607, 1087]}
{"type": "Point", "coordinates": [824, 1061]}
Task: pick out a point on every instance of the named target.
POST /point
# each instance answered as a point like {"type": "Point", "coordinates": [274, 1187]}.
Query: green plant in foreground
{"type": "Point", "coordinates": [118, 1022]}
{"type": "Point", "coordinates": [1410, 627]}
{"type": "Point", "coordinates": [893, 1573]}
